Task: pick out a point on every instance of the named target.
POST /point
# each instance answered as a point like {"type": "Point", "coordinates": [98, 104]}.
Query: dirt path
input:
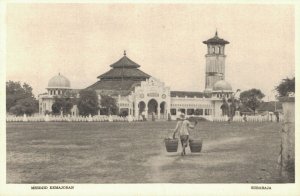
{"type": "Point", "coordinates": [219, 143]}
{"type": "Point", "coordinates": [158, 175]}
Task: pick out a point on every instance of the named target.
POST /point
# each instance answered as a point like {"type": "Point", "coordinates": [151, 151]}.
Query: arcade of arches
{"type": "Point", "coordinates": [153, 108]}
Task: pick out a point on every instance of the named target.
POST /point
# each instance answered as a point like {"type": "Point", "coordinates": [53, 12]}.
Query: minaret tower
{"type": "Point", "coordinates": [215, 61]}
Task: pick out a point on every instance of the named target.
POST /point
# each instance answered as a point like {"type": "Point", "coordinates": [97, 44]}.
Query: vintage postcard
{"type": "Point", "coordinates": [152, 98]}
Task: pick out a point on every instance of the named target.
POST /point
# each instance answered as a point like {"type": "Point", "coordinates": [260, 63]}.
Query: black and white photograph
{"type": "Point", "coordinates": [165, 95]}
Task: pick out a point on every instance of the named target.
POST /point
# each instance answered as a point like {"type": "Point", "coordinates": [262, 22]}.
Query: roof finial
{"type": "Point", "coordinates": [216, 33]}
{"type": "Point", "coordinates": [59, 73]}
{"type": "Point", "coordinates": [124, 52]}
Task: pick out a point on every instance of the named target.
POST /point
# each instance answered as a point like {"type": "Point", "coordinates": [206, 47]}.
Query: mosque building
{"type": "Point", "coordinates": [137, 92]}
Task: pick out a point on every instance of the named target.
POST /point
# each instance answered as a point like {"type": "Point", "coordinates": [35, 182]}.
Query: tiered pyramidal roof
{"type": "Point", "coordinates": [123, 76]}
{"type": "Point", "coordinates": [124, 68]}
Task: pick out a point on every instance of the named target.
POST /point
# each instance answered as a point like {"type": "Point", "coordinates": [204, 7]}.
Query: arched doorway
{"type": "Point", "coordinates": [141, 106]}
{"type": "Point", "coordinates": [152, 106]}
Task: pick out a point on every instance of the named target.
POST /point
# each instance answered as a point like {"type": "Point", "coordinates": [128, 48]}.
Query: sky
{"type": "Point", "coordinates": [80, 41]}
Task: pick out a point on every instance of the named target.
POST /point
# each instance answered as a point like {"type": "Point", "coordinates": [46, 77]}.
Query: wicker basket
{"type": "Point", "coordinates": [171, 144]}
{"type": "Point", "coordinates": [195, 145]}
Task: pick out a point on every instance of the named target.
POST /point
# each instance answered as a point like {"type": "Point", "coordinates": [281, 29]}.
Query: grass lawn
{"type": "Point", "coordinates": [101, 152]}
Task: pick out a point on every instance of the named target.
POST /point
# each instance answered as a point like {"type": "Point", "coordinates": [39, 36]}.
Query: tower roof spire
{"type": "Point", "coordinates": [216, 40]}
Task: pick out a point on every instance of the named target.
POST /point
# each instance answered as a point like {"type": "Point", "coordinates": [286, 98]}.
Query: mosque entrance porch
{"type": "Point", "coordinates": [152, 108]}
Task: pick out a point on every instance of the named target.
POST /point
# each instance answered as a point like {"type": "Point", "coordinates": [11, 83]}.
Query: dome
{"type": "Point", "coordinates": [59, 81]}
{"type": "Point", "coordinates": [222, 85]}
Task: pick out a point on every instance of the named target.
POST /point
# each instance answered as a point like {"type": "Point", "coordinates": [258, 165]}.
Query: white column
{"type": "Point", "coordinates": [146, 110]}
{"type": "Point", "coordinates": [136, 110]}
{"type": "Point", "coordinates": [166, 110]}
{"type": "Point", "coordinates": [158, 111]}
{"type": "Point", "coordinates": [119, 101]}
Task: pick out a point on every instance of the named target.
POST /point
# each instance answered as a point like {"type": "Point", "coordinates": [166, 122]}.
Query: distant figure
{"type": "Point", "coordinates": [271, 117]}
{"type": "Point", "coordinates": [277, 116]}
{"type": "Point", "coordinates": [61, 111]}
{"type": "Point", "coordinates": [245, 118]}
{"type": "Point", "coordinates": [153, 116]}
{"type": "Point", "coordinates": [144, 116]}
{"type": "Point", "coordinates": [169, 117]}
{"type": "Point", "coordinates": [110, 118]}
{"type": "Point", "coordinates": [232, 109]}
{"type": "Point", "coordinates": [237, 94]}
{"type": "Point", "coordinates": [182, 128]}
{"type": "Point", "coordinates": [224, 107]}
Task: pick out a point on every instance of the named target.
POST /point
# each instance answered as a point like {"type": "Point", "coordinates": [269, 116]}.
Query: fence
{"type": "Point", "coordinates": [259, 118]}
{"type": "Point", "coordinates": [71, 119]}
{"type": "Point", "coordinates": [50, 118]}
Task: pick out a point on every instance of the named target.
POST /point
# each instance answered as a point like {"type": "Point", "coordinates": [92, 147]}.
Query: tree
{"type": "Point", "coordinates": [62, 103]}
{"type": "Point", "coordinates": [24, 106]}
{"type": "Point", "coordinates": [109, 103]}
{"type": "Point", "coordinates": [20, 99]}
{"type": "Point", "coordinates": [252, 98]}
{"type": "Point", "coordinates": [287, 85]}
{"type": "Point", "coordinates": [88, 102]}
{"type": "Point", "coordinates": [15, 91]}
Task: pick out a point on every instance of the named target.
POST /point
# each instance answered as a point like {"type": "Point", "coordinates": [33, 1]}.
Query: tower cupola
{"type": "Point", "coordinates": [215, 61]}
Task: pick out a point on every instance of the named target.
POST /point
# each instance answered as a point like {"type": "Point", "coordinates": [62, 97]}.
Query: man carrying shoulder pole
{"type": "Point", "coordinates": [183, 127]}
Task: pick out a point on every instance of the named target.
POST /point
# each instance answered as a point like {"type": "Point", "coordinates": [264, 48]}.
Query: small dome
{"type": "Point", "coordinates": [222, 85]}
{"type": "Point", "coordinates": [59, 81]}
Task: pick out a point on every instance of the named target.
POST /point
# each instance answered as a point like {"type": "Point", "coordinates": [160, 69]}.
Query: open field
{"type": "Point", "coordinates": [135, 153]}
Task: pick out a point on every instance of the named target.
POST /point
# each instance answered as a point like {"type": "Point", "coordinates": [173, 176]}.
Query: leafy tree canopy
{"type": "Point", "coordinates": [287, 85]}
{"type": "Point", "coordinates": [109, 103]}
{"type": "Point", "coordinates": [20, 99]}
{"type": "Point", "coordinates": [62, 104]}
{"type": "Point", "coordinates": [25, 106]}
{"type": "Point", "coordinates": [88, 102]}
{"type": "Point", "coordinates": [251, 98]}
